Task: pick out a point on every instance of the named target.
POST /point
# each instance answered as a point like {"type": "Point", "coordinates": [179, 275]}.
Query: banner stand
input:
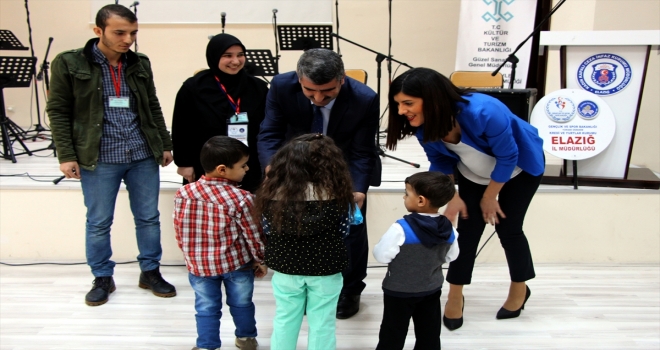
{"type": "Point", "coordinates": [611, 65]}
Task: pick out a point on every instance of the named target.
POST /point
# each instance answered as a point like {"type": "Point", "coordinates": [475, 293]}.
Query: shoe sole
{"type": "Point", "coordinates": [345, 317]}
{"type": "Point", "coordinates": [162, 295]}
{"type": "Point", "coordinates": [97, 303]}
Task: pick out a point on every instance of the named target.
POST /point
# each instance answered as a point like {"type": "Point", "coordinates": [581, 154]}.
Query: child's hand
{"type": "Point", "coordinates": [260, 270]}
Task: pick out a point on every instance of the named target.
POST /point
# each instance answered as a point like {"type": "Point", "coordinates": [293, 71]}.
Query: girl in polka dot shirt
{"type": "Point", "coordinates": [305, 202]}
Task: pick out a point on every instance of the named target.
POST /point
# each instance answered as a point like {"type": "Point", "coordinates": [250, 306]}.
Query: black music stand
{"type": "Point", "coordinates": [8, 41]}
{"type": "Point", "coordinates": [379, 59]}
{"type": "Point", "coordinates": [305, 37]}
{"type": "Point", "coordinates": [260, 63]}
{"type": "Point", "coordinates": [14, 72]}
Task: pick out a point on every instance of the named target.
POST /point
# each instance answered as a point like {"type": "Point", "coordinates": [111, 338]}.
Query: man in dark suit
{"type": "Point", "coordinates": [318, 97]}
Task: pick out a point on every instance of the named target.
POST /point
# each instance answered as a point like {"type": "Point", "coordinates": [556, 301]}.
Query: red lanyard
{"type": "Point", "coordinates": [235, 105]}
{"type": "Point", "coordinates": [116, 81]}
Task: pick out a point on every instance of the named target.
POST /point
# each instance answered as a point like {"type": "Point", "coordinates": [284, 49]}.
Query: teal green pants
{"type": "Point", "coordinates": [292, 293]}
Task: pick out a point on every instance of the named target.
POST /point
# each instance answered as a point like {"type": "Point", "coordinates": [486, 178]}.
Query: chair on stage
{"type": "Point", "coordinates": [358, 74]}
{"type": "Point", "coordinates": [473, 79]}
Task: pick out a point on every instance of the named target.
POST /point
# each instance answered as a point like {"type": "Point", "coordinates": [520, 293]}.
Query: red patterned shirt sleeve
{"type": "Point", "coordinates": [252, 230]}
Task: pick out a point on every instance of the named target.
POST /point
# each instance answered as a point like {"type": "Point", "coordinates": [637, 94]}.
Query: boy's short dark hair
{"type": "Point", "coordinates": [222, 150]}
{"type": "Point", "coordinates": [437, 187]}
{"type": "Point", "coordinates": [108, 10]}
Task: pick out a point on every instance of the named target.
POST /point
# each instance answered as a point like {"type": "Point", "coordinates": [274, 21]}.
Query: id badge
{"type": "Point", "coordinates": [240, 118]}
{"type": "Point", "coordinates": [239, 132]}
{"type": "Point", "coordinates": [118, 102]}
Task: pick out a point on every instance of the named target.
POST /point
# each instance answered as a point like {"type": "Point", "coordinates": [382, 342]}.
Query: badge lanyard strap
{"type": "Point", "coordinates": [116, 81]}
{"type": "Point", "coordinates": [236, 106]}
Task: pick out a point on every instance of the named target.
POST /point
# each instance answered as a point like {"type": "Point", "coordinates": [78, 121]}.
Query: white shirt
{"type": "Point", "coordinates": [388, 247]}
{"type": "Point", "coordinates": [325, 110]}
{"type": "Point", "coordinates": [474, 165]}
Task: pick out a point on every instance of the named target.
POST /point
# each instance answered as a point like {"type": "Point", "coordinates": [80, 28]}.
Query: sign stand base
{"type": "Point", "coordinates": [642, 178]}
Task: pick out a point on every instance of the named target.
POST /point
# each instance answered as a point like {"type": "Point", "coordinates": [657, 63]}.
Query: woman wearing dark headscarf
{"type": "Point", "coordinates": [207, 101]}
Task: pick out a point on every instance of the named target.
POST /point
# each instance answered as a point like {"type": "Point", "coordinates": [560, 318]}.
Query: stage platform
{"type": "Point", "coordinates": [41, 221]}
{"type": "Point", "coordinates": [38, 171]}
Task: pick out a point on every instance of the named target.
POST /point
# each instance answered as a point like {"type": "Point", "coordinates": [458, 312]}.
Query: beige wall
{"type": "Point", "coordinates": [423, 34]}
{"type": "Point", "coordinates": [618, 227]}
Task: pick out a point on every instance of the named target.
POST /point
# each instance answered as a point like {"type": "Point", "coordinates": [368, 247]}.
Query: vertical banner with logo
{"type": "Point", "coordinates": [489, 31]}
{"type": "Point", "coordinates": [615, 74]}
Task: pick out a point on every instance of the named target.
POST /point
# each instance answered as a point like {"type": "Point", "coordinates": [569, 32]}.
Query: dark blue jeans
{"type": "Point", "coordinates": [100, 188]}
{"type": "Point", "coordinates": [239, 286]}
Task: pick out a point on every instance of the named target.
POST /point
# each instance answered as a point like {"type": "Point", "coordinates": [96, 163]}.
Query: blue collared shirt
{"type": "Point", "coordinates": [122, 140]}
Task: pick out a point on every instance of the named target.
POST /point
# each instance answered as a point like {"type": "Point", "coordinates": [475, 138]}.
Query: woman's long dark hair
{"type": "Point", "coordinates": [307, 159]}
{"type": "Point", "coordinates": [439, 96]}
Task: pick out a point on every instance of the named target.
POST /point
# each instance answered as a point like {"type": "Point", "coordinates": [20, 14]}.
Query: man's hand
{"type": "Point", "coordinates": [167, 158]}
{"type": "Point", "coordinates": [187, 173]}
{"type": "Point", "coordinates": [359, 197]}
{"type": "Point", "coordinates": [71, 170]}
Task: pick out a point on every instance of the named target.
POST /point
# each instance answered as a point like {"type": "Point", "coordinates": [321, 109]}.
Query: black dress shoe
{"type": "Point", "coordinates": [504, 313]}
{"type": "Point", "coordinates": [153, 280]}
{"type": "Point", "coordinates": [454, 323]}
{"type": "Point", "coordinates": [347, 306]}
{"type": "Point", "coordinates": [101, 289]}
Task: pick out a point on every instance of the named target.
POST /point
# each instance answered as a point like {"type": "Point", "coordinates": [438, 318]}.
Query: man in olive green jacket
{"type": "Point", "coordinates": [108, 126]}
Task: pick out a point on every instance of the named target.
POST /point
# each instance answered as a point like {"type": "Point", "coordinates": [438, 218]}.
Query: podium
{"type": "Point", "coordinates": [611, 65]}
{"type": "Point", "coordinates": [519, 101]}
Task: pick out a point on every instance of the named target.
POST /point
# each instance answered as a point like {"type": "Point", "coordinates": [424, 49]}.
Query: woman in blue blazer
{"type": "Point", "coordinates": [497, 160]}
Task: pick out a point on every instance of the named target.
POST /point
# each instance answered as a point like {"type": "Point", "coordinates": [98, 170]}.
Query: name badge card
{"type": "Point", "coordinates": [239, 118]}
{"type": "Point", "coordinates": [118, 102]}
{"type": "Point", "coordinates": [239, 132]}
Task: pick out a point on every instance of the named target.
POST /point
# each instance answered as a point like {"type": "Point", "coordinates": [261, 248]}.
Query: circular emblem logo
{"type": "Point", "coordinates": [604, 74]}
{"type": "Point", "coordinates": [560, 109]}
{"type": "Point", "coordinates": [578, 138]}
{"type": "Point", "coordinates": [587, 110]}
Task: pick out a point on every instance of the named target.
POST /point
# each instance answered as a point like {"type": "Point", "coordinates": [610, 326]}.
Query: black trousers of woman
{"type": "Point", "coordinates": [514, 199]}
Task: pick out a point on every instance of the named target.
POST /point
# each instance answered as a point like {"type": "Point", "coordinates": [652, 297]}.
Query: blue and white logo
{"type": "Point", "coordinates": [497, 14]}
{"type": "Point", "coordinates": [560, 109]}
{"type": "Point", "coordinates": [604, 74]}
{"type": "Point", "coordinates": [587, 110]}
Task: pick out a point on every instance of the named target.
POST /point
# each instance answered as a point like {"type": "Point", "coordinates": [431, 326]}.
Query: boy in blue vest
{"type": "Point", "coordinates": [415, 248]}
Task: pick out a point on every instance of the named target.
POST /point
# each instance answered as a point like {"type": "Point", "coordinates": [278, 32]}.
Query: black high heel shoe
{"type": "Point", "coordinates": [454, 323]}
{"type": "Point", "coordinates": [504, 313]}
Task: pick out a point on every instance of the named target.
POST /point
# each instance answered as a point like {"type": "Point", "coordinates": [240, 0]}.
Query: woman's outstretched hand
{"type": "Point", "coordinates": [490, 209]}
{"type": "Point", "coordinates": [455, 207]}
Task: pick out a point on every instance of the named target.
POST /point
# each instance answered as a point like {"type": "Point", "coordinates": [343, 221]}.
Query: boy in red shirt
{"type": "Point", "coordinates": [221, 242]}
